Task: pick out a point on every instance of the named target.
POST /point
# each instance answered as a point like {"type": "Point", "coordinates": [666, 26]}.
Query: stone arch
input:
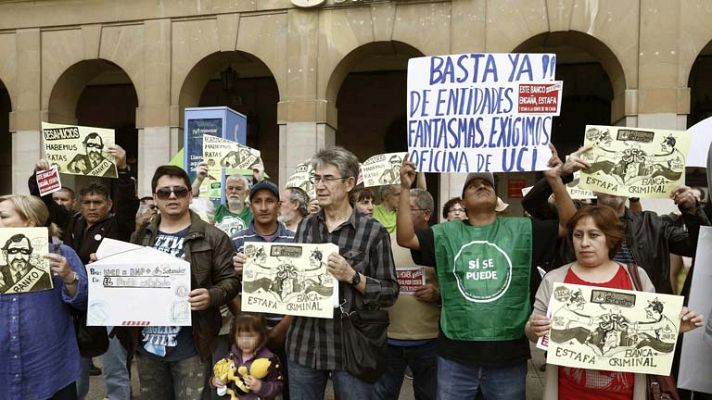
{"type": "Point", "coordinates": [245, 64]}
{"type": "Point", "coordinates": [597, 50]}
{"type": "Point", "coordinates": [65, 94]}
{"type": "Point", "coordinates": [699, 80]}
{"type": "Point", "coordinates": [369, 52]}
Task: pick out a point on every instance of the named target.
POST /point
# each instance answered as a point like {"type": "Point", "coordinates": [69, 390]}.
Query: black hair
{"type": "Point", "coordinates": [95, 187]}
{"type": "Point", "coordinates": [17, 238]}
{"type": "Point", "coordinates": [169, 170]}
{"type": "Point", "coordinates": [93, 135]}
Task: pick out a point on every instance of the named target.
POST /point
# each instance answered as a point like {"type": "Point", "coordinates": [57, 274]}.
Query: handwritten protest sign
{"type": "Point", "coordinates": [79, 150]}
{"type": "Point", "coordinates": [481, 112]}
{"type": "Point", "coordinates": [303, 178]}
{"type": "Point", "coordinates": [24, 268]}
{"type": "Point", "coordinates": [632, 162]}
{"type": "Point", "coordinates": [695, 365]}
{"type": "Point", "coordinates": [289, 279]}
{"type": "Point", "coordinates": [612, 329]}
{"type": "Point", "coordinates": [142, 287]}
{"type": "Point", "coordinates": [382, 169]}
{"type": "Point", "coordinates": [48, 181]}
{"type": "Point", "coordinates": [410, 279]}
{"type": "Point", "coordinates": [223, 153]}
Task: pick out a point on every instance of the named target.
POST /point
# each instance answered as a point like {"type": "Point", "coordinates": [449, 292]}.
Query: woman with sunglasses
{"type": "Point", "coordinates": [38, 346]}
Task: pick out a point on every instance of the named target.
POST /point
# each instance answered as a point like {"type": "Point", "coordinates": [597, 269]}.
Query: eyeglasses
{"type": "Point", "coordinates": [164, 193]}
{"type": "Point", "coordinates": [456, 210]}
{"type": "Point", "coordinates": [418, 209]}
{"type": "Point", "coordinates": [327, 179]}
{"type": "Point", "coordinates": [17, 250]}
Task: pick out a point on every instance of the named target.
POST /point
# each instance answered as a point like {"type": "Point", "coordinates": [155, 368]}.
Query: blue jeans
{"type": "Point", "coordinates": [309, 384]}
{"type": "Point", "coordinates": [460, 381]}
{"type": "Point", "coordinates": [422, 361]}
{"type": "Point", "coordinates": [115, 371]}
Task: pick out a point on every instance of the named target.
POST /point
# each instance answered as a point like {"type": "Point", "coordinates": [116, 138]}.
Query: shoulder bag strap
{"type": "Point", "coordinates": [635, 276]}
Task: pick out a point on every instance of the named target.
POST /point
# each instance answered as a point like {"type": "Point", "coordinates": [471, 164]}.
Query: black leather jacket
{"type": "Point", "coordinates": [649, 237]}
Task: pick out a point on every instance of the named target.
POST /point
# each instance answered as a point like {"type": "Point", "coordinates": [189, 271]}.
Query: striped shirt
{"type": "Point", "coordinates": [365, 244]}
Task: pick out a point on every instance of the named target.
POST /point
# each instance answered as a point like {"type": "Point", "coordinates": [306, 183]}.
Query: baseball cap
{"type": "Point", "coordinates": [265, 185]}
{"type": "Point", "coordinates": [487, 176]}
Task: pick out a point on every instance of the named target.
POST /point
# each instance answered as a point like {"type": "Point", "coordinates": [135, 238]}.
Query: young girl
{"type": "Point", "coordinates": [257, 371]}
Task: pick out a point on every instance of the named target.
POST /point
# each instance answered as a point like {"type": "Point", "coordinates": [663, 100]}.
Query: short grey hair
{"type": "Point", "coordinates": [345, 161]}
{"type": "Point", "coordinates": [423, 199]}
{"type": "Point", "coordinates": [239, 177]}
{"type": "Point", "coordinates": [300, 197]}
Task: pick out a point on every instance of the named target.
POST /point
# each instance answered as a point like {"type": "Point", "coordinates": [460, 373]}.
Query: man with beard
{"type": "Point", "coordinates": [294, 207]}
{"type": "Point", "coordinates": [17, 251]}
{"type": "Point", "coordinates": [93, 161]}
{"type": "Point", "coordinates": [234, 215]}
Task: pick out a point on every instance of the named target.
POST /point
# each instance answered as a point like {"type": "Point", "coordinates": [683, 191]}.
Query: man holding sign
{"type": "Point", "coordinates": [485, 267]}
{"type": "Point", "coordinates": [183, 353]}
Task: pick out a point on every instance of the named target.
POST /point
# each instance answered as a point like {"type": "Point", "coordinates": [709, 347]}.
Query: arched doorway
{"type": "Point", "coordinates": [5, 142]}
{"type": "Point", "coordinates": [97, 93]}
{"type": "Point", "coordinates": [700, 84]}
{"type": "Point", "coordinates": [371, 87]}
{"type": "Point", "coordinates": [244, 83]}
{"type": "Point", "coordinates": [593, 79]}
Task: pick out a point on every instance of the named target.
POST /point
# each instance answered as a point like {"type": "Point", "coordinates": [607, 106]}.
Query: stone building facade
{"type": "Point", "coordinates": [332, 72]}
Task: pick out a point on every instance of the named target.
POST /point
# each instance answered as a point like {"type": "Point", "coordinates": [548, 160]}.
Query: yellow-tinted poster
{"type": "Point", "coordinates": [79, 150]}
{"type": "Point", "coordinates": [382, 169]}
{"type": "Point", "coordinates": [223, 153]}
{"type": "Point", "coordinates": [634, 162]}
{"type": "Point", "coordinates": [303, 178]}
{"type": "Point", "coordinates": [23, 267]}
{"type": "Point", "coordinates": [613, 330]}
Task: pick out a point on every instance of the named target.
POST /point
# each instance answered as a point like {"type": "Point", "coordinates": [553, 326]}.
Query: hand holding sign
{"type": "Point", "coordinates": [238, 261]}
{"type": "Point", "coordinates": [59, 265]}
{"type": "Point", "coordinates": [574, 162]}
{"type": "Point", "coordinates": [407, 173]}
{"type": "Point", "coordinates": [119, 155]}
{"type": "Point", "coordinates": [42, 165]}
{"type": "Point", "coordinates": [539, 325]}
{"type": "Point", "coordinates": [339, 268]}
{"type": "Point", "coordinates": [690, 320]}
{"type": "Point", "coordinates": [199, 299]}
{"type": "Point", "coordinates": [427, 293]}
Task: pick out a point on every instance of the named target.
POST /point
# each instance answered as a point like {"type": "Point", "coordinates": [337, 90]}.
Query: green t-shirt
{"type": "Point", "coordinates": [232, 223]}
{"type": "Point", "coordinates": [385, 217]}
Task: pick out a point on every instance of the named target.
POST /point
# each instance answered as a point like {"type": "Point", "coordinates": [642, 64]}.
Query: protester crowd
{"type": "Point", "coordinates": [456, 347]}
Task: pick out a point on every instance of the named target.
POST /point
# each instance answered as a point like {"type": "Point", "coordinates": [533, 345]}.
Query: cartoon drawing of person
{"type": "Point", "coordinates": [392, 174]}
{"type": "Point", "coordinates": [93, 157]}
{"type": "Point", "coordinates": [658, 332]}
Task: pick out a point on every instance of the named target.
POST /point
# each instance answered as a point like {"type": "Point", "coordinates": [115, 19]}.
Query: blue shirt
{"type": "Point", "coordinates": [38, 346]}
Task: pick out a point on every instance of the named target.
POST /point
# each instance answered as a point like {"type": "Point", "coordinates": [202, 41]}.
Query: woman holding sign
{"type": "Point", "coordinates": [38, 346]}
{"type": "Point", "coordinates": [597, 234]}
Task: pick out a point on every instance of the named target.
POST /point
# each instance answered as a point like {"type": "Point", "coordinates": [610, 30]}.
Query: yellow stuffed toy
{"type": "Point", "coordinates": [225, 369]}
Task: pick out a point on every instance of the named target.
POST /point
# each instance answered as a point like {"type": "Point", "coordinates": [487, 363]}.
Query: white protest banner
{"type": "Point", "coordinates": [410, 279]}
{"type": "Point", "coordinates": [696, 358]}
{"type": "Point", "coordinates": [613, 330]}
{"type": "Point", "coordinates": [222, 153]}
{"type": "Point", "coordinates": [382, 169]}
{"type": "Point", "coordinates": [48, 181]}
{"type": "Point", "coordinates": [303, 178]}
{"type": "Point", "coordinates": [576, 192]}
{"type": "Point", "coordinates": [481, 112]}
{"type": "Point", "coordinates": [141, 287]}
{"type": "Point", "coordinates": [289, 278]}
{"type": "Point", "coordinates": [24, 266]}
{"type": "Point", "coordinates": [633, 162]}
{"type": "Point", "coordinates": [79, 150]}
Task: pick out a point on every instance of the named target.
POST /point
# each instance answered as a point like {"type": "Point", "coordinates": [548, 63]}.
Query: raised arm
{"type": "Point", "coordinates": [564, 205]}
{"type": "Point", "coordinates": [405, 233]}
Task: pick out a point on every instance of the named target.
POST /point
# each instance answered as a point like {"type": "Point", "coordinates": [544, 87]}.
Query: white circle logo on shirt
{"type": "Point", "coordinates": [483, 271]}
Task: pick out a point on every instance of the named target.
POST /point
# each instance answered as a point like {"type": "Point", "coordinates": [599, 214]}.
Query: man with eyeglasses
{"type": "Point", "coordinates": [174, 361]}
{"type": "Point", "coordinates": [413, 328]}
{"type": "Point", "coordinates": [17, 251]}
{"type": "Point", "coordinates": [364, 268]}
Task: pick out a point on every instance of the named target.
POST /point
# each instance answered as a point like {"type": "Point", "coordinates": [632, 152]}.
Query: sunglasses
{"type": "Point", "coordinates": [95, 145]}
{"type": "Point", "coordinates": [13, 251]}
{"type": "Point", "coordinates": [164, 193]}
